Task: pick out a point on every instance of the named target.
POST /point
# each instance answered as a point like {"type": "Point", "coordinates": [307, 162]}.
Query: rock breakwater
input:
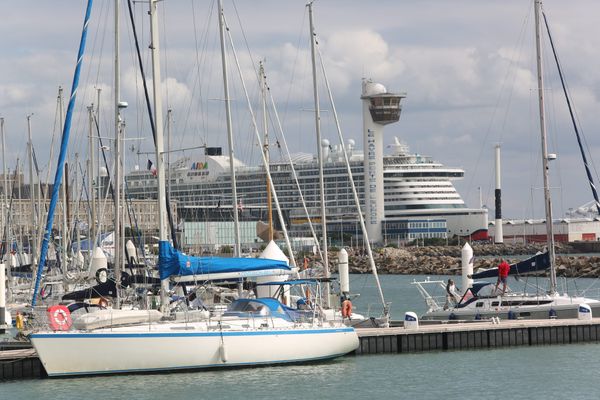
{"type": "Point", "coordinates": [446, 260]}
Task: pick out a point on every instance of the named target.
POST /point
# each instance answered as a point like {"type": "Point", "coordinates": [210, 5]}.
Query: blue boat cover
{"type": "Point", "coordinates": [539, 262]}
{"type": "Point", "coordinates": [171, 262]}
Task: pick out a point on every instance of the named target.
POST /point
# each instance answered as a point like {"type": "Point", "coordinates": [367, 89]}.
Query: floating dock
{"type": "Point", "coordinates": [477, 335]}
{"type": "Point", "coordinates": [19, 360]}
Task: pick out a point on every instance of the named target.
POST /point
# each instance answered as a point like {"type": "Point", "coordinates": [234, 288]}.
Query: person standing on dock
{"type": "Point", "coordinates": [503, 270]}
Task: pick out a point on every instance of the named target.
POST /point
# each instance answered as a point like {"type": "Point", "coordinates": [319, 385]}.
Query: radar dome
{"type": "Point", "coordinates": [325, 143]}
{"type": "Point", "coordinates": [372, 89]}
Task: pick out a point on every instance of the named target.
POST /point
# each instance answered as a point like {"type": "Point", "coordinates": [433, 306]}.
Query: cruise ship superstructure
{"type": "Point", "coordinates": [417, 194]}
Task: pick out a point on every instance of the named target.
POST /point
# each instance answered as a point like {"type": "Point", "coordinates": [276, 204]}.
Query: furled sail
{"type": "Point", "coordinates": [174, 263]}
{"type": "Point", "coordinates": [539, 262]}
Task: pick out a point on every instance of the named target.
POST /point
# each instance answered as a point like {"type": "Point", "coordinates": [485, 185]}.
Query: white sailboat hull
{"type": "Point", "coordinates": [162, 347]}
{"type": "Point", "coordinates": [517, 307]}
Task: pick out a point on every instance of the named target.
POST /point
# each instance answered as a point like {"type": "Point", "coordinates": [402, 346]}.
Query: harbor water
{"type": "Point", "coordinates": [537, 372]}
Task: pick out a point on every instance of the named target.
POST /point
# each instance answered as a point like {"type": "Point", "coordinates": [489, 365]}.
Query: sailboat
{"type": "Point", "coordinates": [251, 332]}
{"type": "Point", "coordinates": [480, 299]}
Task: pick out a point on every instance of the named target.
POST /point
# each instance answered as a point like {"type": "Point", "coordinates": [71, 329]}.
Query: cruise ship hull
{"type": "Point", "coordinates": [416, 188]}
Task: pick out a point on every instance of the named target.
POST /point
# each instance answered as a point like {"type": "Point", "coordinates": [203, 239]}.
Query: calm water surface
{"type": "Point", "coordinates": [543, 372]}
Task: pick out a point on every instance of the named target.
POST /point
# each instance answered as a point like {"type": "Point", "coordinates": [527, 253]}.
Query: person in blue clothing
{"type": "Point", "coordinates": [301, 304]}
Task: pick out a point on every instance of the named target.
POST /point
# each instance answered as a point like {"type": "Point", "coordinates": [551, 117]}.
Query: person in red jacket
{"type": "Point", "coordinates": [503, 270]}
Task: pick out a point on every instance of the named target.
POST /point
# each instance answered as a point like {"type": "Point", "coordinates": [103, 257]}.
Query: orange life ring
{"type": "Point", "coordinates": [59, 317]}
{"type": "Point", "coordinates": [346, 309]}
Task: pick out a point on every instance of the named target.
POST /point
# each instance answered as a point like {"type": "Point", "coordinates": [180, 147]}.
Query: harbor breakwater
{"type": "Point", "coordinates": [446, 260]}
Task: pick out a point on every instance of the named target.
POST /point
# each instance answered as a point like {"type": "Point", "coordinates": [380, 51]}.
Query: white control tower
{"type": "Point", "coordinates": [379, 108]}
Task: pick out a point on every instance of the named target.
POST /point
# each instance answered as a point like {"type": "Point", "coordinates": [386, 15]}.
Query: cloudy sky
{"type": "Point", "coordinates": [467, 66]}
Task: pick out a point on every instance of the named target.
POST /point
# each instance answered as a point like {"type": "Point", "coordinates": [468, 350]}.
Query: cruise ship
{"type": "Point", "coordinates": [420, 200]}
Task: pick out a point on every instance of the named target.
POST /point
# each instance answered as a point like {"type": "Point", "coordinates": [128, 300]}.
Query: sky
{"type": "Point", "coordinates": [467, 67]}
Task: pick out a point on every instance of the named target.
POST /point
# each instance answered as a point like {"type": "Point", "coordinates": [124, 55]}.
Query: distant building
{"type": "Point", "coordinates": [533, 231]}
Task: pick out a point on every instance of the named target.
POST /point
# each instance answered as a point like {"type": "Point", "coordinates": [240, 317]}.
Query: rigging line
{"type": "Point", "coordinates": [509, 71]}
{"type": "Point", "coordinates": [9, 214]}
{"type": "Point", "coordinates": [103, 37]}
{"type": "Point", "coordinates": [54, 130]}
{"type": "Point", "coordinates": [353, 186]}
{"type": "Point", "coordinates": [76, 140]}
{"type": "Point", "coordinates": [85, 194]}
{"type": "Point", "coordinates": [133, 221]}
{"type": "Point", "coordinates": [163, 47]}
{"type": "Point", "coordinates": [62, 155]}
{"type": "Point", "coordinates": [237, 14]}
{"type": "Point", "coordinates": [293, 74]}
{"type": "Point", "coordinates": [567, 97]}
{"type": "Point", "coordinates": [295, 175]}
{"type": "Point", "coordinates": [197, 82]}
{"type": "Point", "coordinates": [102, 148]}
{"type": "Point", "coordinates": [257, 134]}
{"type": "Point", "coordinates": [150, 115]}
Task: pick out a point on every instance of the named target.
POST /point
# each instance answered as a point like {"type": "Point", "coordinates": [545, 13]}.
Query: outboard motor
{"type": "Point", "coordinates": [99, 266]}
{"type": "Point", "coordinates": [411, 321]}
{"type": "Point", "coordinates": [584, 312]}
{"type": "Point", "coordinates": [131, 252]}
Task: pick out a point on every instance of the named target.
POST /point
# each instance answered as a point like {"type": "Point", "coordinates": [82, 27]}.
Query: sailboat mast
{"type": "Point", "coordinates": [5, 213]}
{"type": "Point", "coordinates": [90, 171]}
{"type": "Point", "coordinates": [547, 200]}
{"type": "Point", "coordinates": [319, 151]}
{"type": "Point", "coordinates": [236, 224]}
{"type": "Point", "coordinates": [5, 188]}
{"type": "Point", "coordinates": [263, 89]}
{"type": "Point", "coordinates": [64, 186]}
{"type": "Point", "coordinates": [160, 164]}
{"type": "Point", "coordinates": [33, 231]}
{"type": "Point", "coordinates": [118, 256]}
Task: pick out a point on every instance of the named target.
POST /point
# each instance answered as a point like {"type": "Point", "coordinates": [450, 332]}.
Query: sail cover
{"type": "Point", "coordinates": [173, 263]}
{"type": "Point", "coordinates": [539, 262]}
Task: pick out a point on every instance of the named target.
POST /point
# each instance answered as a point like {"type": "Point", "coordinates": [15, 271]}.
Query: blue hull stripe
{"type": "Point", "coordinates": [142, 335]}
{"type": "Point", "coordinates": [192, 367]}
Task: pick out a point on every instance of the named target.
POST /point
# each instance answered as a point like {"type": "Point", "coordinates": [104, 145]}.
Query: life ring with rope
{"type": "Point", "coordinates": [59, 317]}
